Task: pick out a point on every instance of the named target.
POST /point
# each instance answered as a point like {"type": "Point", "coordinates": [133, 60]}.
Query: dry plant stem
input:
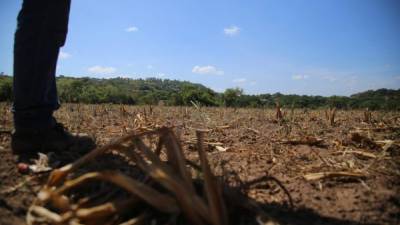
{"type": "Point", "coordinates": [61, 202]}
{"type": "Point", "coordinates": [16, 187]}
{"type": "Point", "coordinates": [222, 127]}
{"type": "Point", "coordinates": [205, 142]}
{"type": "Point", "coordinates": [360, 153]}
{"type": "Point", "coordinates": [332, 116]}
{"type": "Point", "coordinates": [59, 174]}
{"type": "Point", "coordinates": [48, 215]}
{"type": "Point", "coordinates": [174, 150]}
{"type": "Point", "coordinates": [279, 115]}
{"type": "Point", "coordinates": [367, 116]}
{"type": "Point", "coordinates": [253, 130]}
{"type": "Point", "coordinates": [98, 198]}
{"type": "Point", "coordinates": [166, 176]}
{"type": "Point", "coordinates": [136, 221]}
{"type": "Point", "coordinates": [326, 114]}
{"type": "Point", "coordinates": [160, 201]}
{"type": "Point", "coordinates": [323, 175]}
{"type": "Point", "coordinates": [159, 145]}
{"type": "Point", "coordinates": [305, 141]}
{"type": "Point", "coordinates": [106, 209]}
{"type": "Point", "coordinates": [214, 195]}
{"type": "Point", "coordinates": [321, 158]}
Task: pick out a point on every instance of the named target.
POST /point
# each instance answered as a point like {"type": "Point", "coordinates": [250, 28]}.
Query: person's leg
{"type": "Point", "coordinates": [41, 31]}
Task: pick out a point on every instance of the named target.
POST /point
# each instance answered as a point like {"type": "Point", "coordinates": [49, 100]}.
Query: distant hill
{"type": "Point", "coordinates": [124, 91]}
{"type": "Point", "coordinates": [381, 98]}
{"type": "Point", "coordinates": [174, 92]}
{"type": "Point", "coordinates": [133, 91]}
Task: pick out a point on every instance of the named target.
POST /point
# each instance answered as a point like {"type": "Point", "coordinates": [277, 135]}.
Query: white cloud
{"type": "Point", "coordinates": [150, 67]}
{"type": "Point", "coordinates": [327, 74]}
{"type": "Point", "coordinates": [300, 77]}
{"type": "Point", "coordinates": [232, 30]}
{"type": "Point", "coordinates": [330, 78]}
{"type": "Point", "coordinates": [239, 80]}
{"type": "Point", "coordinates": [64, 55]}
{"type": "Point", "coordinates": [160, 75]}
{"type": "Point", "coordinates": [211, 70]}
{"type": "Point", "coordinates": [131, 29]}
{"type": "Point", "coordinates": [101, 70]}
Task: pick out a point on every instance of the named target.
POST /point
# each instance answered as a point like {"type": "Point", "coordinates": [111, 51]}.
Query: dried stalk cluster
{"type": "Point", "coordinates": [330, 115]}
{"type": "Point", "coordinates": [278, 114]}
{"type": "Point", "coordinates": [367, 116]}
{"type": "Point", "coordinates": [167, 189]}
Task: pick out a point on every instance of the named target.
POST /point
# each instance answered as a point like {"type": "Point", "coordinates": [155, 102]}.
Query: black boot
{"type": "Point", "coordinates": [54, 139]}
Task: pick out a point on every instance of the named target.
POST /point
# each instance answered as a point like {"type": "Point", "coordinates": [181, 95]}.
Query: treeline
{"type": "Point", "coordinates": [172, 92]}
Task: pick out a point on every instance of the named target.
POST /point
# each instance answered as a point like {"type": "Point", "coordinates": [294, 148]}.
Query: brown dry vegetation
{"type": "Point", "coordinates": [340, 169]}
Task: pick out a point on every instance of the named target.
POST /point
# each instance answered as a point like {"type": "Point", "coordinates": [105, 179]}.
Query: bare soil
{"type": "Point", "coordinates": [243, 145]}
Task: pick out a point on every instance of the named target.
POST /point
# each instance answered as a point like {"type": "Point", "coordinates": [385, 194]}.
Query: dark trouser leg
{"type": "Point", "coordinates": [41, 31]}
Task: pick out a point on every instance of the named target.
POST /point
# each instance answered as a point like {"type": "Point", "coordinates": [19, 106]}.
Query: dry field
{"type": "Point", "coordinates": [270, 166]}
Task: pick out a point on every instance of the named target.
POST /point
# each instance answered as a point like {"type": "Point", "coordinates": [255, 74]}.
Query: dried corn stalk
{"type": "Point", "coordinates": [279, 114]}
{"type": "Point", "coordinates": [330, 115]}
{"type": "Point", "coordinates": [324, 175]}
{"type": "Point", "coordinates": [306, 140]}
{"type": "Point", "coordinates": [367, 116]}
{"type": "Point", "coordinates": [168, 188]}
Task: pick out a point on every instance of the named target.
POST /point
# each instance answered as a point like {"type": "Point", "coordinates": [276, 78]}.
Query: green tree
{"type": "Point", "coordinates": [231, 96]}
{"type": "Point", "coordinates": [5, 88]}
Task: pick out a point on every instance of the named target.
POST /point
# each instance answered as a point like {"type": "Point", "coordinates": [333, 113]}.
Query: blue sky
{"type": "Point", "coordinates": [317, 47]}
